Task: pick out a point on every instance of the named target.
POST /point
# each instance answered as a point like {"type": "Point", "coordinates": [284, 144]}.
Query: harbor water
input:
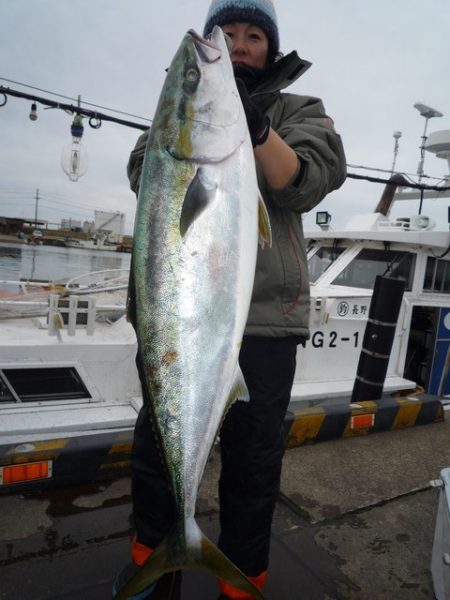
{"type": "Point", "coordinates": [58, 264]}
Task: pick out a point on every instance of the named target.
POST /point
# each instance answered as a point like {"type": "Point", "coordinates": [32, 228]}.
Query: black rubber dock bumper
{"type": "Point", "coordinates": [65, 461]}
{"type": "Point", "coordinates": [320, 423]}
{"type": "Point", "coordinates": [77, 459]}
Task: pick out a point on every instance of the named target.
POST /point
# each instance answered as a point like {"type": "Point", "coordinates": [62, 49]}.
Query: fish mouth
{"type": "Point", "coordinates": [208, 50]}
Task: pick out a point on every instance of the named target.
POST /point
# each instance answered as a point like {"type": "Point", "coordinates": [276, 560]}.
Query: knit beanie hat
{"type": "Point", "coordinates": [257, 12]}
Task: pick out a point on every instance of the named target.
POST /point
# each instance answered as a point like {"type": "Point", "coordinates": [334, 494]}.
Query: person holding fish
{"type": "Point", "coordinates": [299, 158]}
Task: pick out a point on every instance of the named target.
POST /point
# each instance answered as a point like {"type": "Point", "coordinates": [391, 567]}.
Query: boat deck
{"type": "Point", "coordinates": [33, 331]}
{"type": "Point", "coordinates": [354, 521]}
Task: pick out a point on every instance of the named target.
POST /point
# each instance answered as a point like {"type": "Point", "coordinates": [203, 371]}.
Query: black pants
{"type": "Point", "coordinates": [252, 446]}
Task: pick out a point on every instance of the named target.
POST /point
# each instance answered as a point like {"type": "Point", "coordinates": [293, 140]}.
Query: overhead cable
{"type": "Point", "coordinates": [416, 186]}
{"type": "Point", "coordinates": [95, 117]}
{"type": "Point", "coordinates": [32, 87]}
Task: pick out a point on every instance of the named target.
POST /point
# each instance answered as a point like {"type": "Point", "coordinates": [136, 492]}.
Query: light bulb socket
{"type": "Point", "coordinates": [33, 112]}
{"type": "Point", "coordinates": [77, 129]}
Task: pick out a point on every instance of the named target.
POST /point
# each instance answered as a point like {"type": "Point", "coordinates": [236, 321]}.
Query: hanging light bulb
{"type": "Point", "coordinates": [33, 112]}
{"type": "Point", "coordinates": [74, 160]}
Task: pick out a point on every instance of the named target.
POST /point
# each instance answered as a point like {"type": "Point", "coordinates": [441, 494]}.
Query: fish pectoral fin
{"type": "Point", "coordinates": [239, 389]}
{"type": "Point", "coordinates": [265, 230]}
{"type": "Point", "coordinates": [197, 198]}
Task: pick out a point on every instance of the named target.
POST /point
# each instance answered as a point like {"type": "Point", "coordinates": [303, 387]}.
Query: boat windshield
{"type": "Point", "coordinates": [322, 259]}
{"type": "Point", "coordinates": [370, 262]}
{"type": "Point", "coordinates": [437, 276]}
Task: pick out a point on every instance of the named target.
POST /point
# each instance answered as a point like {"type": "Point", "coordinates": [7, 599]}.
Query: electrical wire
{"type": "Point", "coordinates": [32, 87]}
{"type": "Point", "coordinates": [95, 117]}
{"type": "Point", "coordinates": [389, 171]}
{"type": "Point", "coordinates": [416, 186]}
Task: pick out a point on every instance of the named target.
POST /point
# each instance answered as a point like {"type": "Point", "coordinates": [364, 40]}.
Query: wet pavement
{"type": "Point", "coordinates": [355, 520]}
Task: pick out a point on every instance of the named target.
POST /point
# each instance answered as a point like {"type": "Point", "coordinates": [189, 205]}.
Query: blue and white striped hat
{"type": "Point", "coordinates": [257, 12]}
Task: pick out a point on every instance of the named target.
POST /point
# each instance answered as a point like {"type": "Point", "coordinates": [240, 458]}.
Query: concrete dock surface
{"type": "Point", "coordinates": [354, 521]}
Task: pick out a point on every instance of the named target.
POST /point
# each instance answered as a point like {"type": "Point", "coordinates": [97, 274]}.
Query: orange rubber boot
{"type": "Point", "coordinates": [236, 594]}
{"type": "Point", "coordinates": [140, 552]}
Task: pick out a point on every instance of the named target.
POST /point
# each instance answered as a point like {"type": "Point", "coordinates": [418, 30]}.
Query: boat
{"type": "Point", "coordinates": [69, 387]}
{"type": "Point", "coordinates": [343, 268]}
{"type": "Point", "coordinates": [89, 244]}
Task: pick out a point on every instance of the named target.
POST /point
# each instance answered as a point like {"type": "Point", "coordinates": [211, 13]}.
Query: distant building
{"type": "Point", "coordinates": [11, 226]}
{"type": "Point", "coordinates": [71, 225]}
{"type": "Point", "coordinates": [112, 224]}
{"type": "Point", "coordinates": [89, 227]}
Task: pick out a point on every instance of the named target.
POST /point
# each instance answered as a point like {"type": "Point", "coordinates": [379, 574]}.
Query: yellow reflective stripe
{"type": "Point", "coordinates": [305, 427]}
{"type": "Point", "coordinates": [407, 413]}
{"type": "Point", "coordinates": [121, 464]}
{"type": "Point", "coordinates": [40, 446]}
{"type": "Point", "coordinates": [120, 448]}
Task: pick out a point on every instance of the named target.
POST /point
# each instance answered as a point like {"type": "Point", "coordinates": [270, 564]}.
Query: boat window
{"type": "Point", "coordinates": [322, 259]}
{"type": "Point", "coordinates": [437, 276]}
{"type": "Point", "coordinates": [5, 394]}
{"type": "Point", "coordinates": [370, 262]}
{"type": "Point", "coordinates": [57, 383]}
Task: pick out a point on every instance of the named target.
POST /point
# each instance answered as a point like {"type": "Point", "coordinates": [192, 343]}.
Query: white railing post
{"type": "Point", "coordinates": [72, 321]}
{"type": "Point", "coordinates": [91, 313]}
{"type": "Point", "coordinates": [52, 313]}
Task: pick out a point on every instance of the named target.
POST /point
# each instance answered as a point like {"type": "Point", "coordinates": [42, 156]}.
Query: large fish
{"type": "Point", "coordinates": [193, 265]}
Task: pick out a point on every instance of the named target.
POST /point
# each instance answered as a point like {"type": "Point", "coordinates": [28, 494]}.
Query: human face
{"type": "Point", "coordinates": [250, 44]}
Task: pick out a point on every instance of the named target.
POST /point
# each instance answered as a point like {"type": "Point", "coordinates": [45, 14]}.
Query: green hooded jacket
{"type": "Point", "coordinates": [280, 301]}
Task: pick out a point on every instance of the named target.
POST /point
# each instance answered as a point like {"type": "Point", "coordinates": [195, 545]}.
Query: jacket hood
{"type": "Point", "coordinates": [282, 73]}
{"type": "Point", "coordinates": [279, 76]}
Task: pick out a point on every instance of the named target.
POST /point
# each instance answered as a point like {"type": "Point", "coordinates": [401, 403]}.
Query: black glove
{"type": "Point", "coordinates": [258, 124]}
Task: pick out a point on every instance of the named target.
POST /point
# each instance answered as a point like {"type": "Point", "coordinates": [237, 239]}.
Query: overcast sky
{"type": "Point", "coordinates": [372, 61]}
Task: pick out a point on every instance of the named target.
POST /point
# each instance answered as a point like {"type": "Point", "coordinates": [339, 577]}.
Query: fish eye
{"type": "Point", "coordinates": [192, 75]}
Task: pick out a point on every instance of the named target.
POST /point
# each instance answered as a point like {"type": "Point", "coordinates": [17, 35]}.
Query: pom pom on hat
{"type": "Point", "coordinates": [258, 12]}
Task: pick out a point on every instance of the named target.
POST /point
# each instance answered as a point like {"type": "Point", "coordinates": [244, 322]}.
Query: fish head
{"type": "Point", "coordinates": [205, 121]}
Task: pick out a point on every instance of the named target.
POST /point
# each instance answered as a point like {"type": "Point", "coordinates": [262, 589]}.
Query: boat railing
{"type": "Point", "coordinates": [63, 312]}
{"type": "Point", "coordinates": [107, 280]}
{"type": "Point", "coordinates": [413, 223]}
{"type": "Point", "coordinates": [25, 286]}
{"type": "Point", "coordinates": [70, 313]}
{"type": "Point", "coordinates": [74, 304]}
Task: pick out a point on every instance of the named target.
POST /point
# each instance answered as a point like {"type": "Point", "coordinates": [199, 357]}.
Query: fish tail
{"type": "Point", "coordinates": [222, 567]}
{"type": "Point", "coordinates": [160, 562]}
{"type": "Point", "coordinates": [171, 555]}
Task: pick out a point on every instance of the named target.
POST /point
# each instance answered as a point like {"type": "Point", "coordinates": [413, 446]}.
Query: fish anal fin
{"type": "Point", "coordinates": [265, 230]}
{"type": "Point", "coordinates": [239, 388]}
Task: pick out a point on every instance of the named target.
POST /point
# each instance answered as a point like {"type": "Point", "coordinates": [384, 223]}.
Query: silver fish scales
{"type": "Point", "coordinates": [193, 264]}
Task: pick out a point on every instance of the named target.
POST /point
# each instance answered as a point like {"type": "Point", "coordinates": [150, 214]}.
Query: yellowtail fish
{"type": "Point", "coordinates": [193, 265]}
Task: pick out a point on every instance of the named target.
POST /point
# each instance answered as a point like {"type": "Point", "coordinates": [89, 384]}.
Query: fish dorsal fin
{"type": "Point", "coordinates": [265, 230]}
{"type": "Point", "coordinates": [197, 198]}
